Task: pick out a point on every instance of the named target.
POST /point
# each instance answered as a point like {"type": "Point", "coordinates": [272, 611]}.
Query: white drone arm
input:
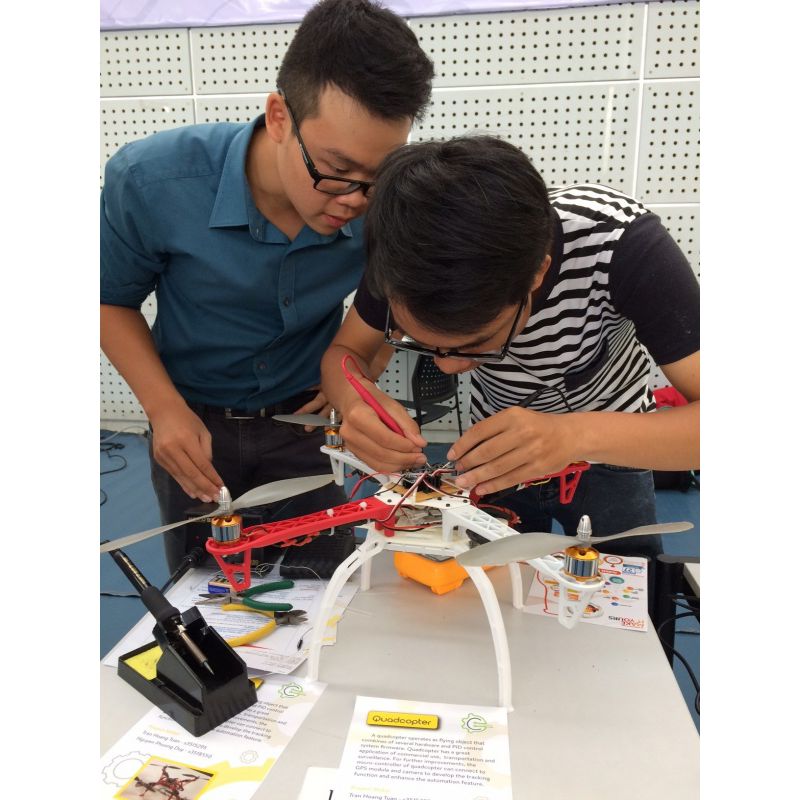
{"type": "Point", "coordinates": [469, 517]}
{"type": "Point", "coordinates": [341, 457]}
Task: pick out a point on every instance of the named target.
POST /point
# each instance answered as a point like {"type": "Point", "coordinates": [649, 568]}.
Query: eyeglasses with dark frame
{"type": "Point", "coordinates": [327, 184]}
{"type": "Point", "coordinates": [407, 343]}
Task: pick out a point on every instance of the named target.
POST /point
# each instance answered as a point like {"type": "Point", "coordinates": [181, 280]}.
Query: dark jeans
{"type": "Point", "coordinates": [615, 498]}
{"type": "Point", "coordinates": [247, 453]}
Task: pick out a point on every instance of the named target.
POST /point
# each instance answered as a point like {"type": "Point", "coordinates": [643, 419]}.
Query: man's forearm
{"type": "Point", "coordinates": [379, 363]}
{"type": "Point", "coordinates": [662, 440]}
{"type": "Point", "coordinates": [128, 344]}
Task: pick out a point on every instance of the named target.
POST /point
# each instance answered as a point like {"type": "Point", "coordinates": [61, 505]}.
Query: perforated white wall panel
{"type": "Point", "coordinates": [605, 94]}
{"type": "Point", "coordinates": [117, 401]}
{"type": "Point", "coordinates": [572, 133]}
{"type": "Point", "coordinates": [136, 63]}
{"type": "Point", "coordinates": [669, 160]}
{"type": "Point", "coordinates": [673, 34]}
{"type": "Point", "coordinates": [123, 121]}
{"type": "Point", "coordinates": [229, 109]}
{"type": "Point", "coordinates": [580, 44]}
{"type": "Point", "coordinates": [239, 59]}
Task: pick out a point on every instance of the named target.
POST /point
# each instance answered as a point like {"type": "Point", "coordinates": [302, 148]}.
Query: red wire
{"type": "Point", "coordinates": [402, 500]}
{"type": "Point", "coordinates": [513, 519]}
{"type": "Point", "coordinates": [361, 480]}
{"type": "Point", "coordinates": [408, 528]}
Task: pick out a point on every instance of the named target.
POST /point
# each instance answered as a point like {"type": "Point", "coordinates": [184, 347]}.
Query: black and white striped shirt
{"type": "Point", "coordinates": [618, 287]}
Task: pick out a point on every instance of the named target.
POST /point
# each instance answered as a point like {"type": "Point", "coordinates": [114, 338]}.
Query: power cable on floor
{"type": "Point", "coordinates": [692, 612]}
{"type": "Point", "coordinates": [107, 448]}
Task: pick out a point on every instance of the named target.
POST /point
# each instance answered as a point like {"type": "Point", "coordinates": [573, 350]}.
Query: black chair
{"type": "Point", "coordinates": [430, 388]}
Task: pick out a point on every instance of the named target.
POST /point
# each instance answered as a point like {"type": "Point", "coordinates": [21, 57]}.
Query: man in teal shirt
{"type": "Point", "coordinates": [248, 233]}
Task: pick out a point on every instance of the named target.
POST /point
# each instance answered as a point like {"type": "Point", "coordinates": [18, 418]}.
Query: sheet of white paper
{"type": "Point", "coordinates": [449, 752]}
{"type": "Point", "coordinates": [278, 652]}
{"type": "Point", "coordinates": [227, 763]}
{"type": "Point", "coordinates": [318, 784]}
{"type": "Point", "coordinates": [621, 602]}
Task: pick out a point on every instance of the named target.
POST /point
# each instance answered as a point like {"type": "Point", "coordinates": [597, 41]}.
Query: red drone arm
{"type": "Point", "coordinates": [286, 531]}
{"type": "Point", "coordinates": [300, 530]}
{"type": "Point", "coordinates": [568, 482]}
{"type": "Point", "coordinates": [569, 477]}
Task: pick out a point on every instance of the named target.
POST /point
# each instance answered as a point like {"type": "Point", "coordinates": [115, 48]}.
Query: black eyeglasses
{"type": "Point", "coordinates": [328, 184]}
{"type": "Point", "coordinates": [407, 343]}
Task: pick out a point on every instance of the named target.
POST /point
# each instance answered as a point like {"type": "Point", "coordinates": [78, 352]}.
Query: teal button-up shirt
{"type": "Point", "coordinates": [244, 315]}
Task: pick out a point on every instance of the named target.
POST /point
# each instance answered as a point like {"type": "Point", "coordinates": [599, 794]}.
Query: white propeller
{"type": "Point", "coordinates": [303, 419]}
{"type": "Point", "coordinates": [261, 495]}
{"type": "Point", "coordinates": [527, 546]}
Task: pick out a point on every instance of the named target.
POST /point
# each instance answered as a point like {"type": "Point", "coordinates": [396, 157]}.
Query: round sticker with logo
{"type": "Point", "coordinates": [290, 690]}
{"type": "Point", "coordinates": [474, 723]}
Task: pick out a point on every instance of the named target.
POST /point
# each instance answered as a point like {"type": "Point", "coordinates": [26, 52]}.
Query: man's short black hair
{"type": "Point", "coordinates": [365, 50]}
{"type": "Point", "coordinates": [456, 231]}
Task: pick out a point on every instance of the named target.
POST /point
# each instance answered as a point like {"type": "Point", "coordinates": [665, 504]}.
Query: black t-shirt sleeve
{"type": "Point", "coordinates": [652, 284]}
{"type": "Point", "coordinates": [370, 309]}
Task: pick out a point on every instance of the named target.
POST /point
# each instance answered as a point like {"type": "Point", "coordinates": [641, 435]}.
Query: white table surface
{"type": "Point", "coordinates": [597, 711]}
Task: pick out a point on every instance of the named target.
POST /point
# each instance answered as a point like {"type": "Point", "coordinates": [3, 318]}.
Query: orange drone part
{"type": "Point", "coordinates": [439, 576]}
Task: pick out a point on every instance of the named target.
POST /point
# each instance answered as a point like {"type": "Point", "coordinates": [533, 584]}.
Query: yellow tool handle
{"type": "Point", "coordinates": [258, 633]}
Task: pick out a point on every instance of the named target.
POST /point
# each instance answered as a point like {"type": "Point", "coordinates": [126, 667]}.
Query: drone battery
{"type": "Point", "coordinates": [440, 576]}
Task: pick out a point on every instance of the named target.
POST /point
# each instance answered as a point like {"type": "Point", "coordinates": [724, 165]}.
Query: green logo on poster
{"type": "Point", "coordinates": [289, 690]}
{"type": "Point", "coordinates": [474, 723]}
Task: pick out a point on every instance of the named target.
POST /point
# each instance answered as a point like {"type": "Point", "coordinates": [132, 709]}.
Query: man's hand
{"type": "Point", "coordinates": [511, 447]}
{"type": "Point", "coordinates": [182, 445]}
{"type": "Point", "coordinates": [367, 437]}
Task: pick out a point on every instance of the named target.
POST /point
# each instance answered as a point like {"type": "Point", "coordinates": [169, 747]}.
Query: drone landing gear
{"type": "Point", "coordinates": [375, 543]}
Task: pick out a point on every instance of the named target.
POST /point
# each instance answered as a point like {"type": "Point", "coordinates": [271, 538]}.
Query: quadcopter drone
{"type": "Point", "coordinates": [167, 785]}
{"type": "Point", "coordinates": [409, 501]}
{"type": "Point", "coordinates": [418, 511]}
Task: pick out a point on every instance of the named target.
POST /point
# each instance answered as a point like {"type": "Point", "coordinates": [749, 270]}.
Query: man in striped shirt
{"type": "Point", "coordinates": [555, 301]}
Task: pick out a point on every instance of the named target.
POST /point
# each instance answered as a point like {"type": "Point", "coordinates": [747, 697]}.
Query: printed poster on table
{"type": "Point", "coordinates": [400, 749]}
{"type": "Point", "coordinates": [621, 602]}
{"type": "Point", "coordinates": [158, 758]}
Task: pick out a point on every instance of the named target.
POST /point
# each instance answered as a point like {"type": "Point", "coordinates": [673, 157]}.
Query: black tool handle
{"type": "Point", "coordinates": [153, 598]}
{"type": "Point", "coordinates": [160, 607]}
{"type": "Point", "coordinates": [130, 570]}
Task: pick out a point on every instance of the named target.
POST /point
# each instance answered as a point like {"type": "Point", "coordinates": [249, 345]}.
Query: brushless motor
{"type": "Point", "coordinates": [226, 529]}
{"type": "Point", "coordinates": [332, 437]}
{"type": "Point", "coordinates": [581, 563]}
